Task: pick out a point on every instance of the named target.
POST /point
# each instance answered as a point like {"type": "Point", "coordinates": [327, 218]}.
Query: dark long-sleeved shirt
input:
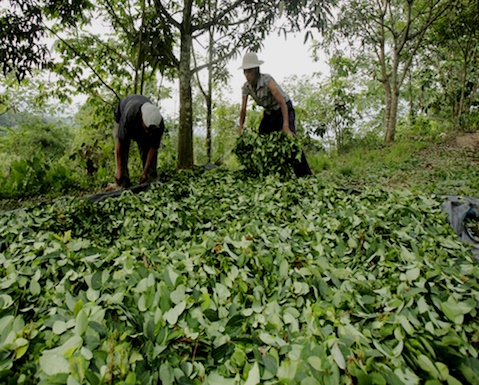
{"type": "Point", "coordinates": [128, 116]}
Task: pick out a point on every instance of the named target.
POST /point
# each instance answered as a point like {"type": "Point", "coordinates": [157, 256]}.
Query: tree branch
{"type": "Point", "coordinates": [197, 75]}
{"type": "Point", "coordinates": [85, 61]}
{"type": "Point", "coordinates": [117, 20]}
{"type": "Point", "coordinates": [215, 20]}
{"type": "Point", "coordinates": [216, 61]}
{"type": "Point", "coordinates": [162, 10]}
{"type": "Point", "coordinates": [431, 18]}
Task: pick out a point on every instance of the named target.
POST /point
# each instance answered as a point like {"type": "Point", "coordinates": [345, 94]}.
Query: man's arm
{"type": "Point", "coordinates": [284, 108]}
{"type": "Point", "coordinates": [118, 161]}
{"type": "Point", "coordinates": [242, 114]}
{"type": "Point", "coordinates": [152, 152]}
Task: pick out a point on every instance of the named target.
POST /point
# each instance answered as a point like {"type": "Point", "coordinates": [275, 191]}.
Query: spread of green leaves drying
{"type": "Point", "coordinates": [218, 279]}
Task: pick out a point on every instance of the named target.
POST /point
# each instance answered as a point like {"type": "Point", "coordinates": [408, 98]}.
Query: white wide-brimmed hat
{"type": "Point", "coordinates": [250, 60]}
{"type": "Point", "coordinates": [151, 115]}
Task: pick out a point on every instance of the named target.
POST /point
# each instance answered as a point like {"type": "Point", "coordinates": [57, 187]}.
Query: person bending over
{"type": "Point", "coordinates": [136, 118]}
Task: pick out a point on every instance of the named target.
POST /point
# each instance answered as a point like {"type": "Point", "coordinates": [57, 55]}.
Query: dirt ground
{"type": "Point", "coordinates": [463, 145]}
{"type": "Point", "coordinates": [468, 141]}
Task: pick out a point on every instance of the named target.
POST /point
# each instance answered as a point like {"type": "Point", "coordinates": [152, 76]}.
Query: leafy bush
{"type": "Point", "coordinates": [470, 122]}
{"type": "Point", "coordinates": [33, 137]}
{"type": "Point", "coordinates": [217, 280]}
{"type": "Point", "coordinates": [93, 144]}
{"type": "Point", "coordinates": [263, 155]}
{"type": "Point", "coordinates": [35, 176]}
{"type": "Point", "coordinates": [319, 161]}
{"type": "Point", "coordinates": [346, 170]}
{"type": "Point", "coordinates": [423, 129]}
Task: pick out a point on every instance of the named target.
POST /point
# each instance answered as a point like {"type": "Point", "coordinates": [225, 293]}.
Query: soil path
{"type": "Point", "coordinates": [468, 141]}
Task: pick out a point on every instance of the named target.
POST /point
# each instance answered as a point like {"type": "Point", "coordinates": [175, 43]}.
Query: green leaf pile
{"type": "Point", "coordinates": [270, 154]}
{"type": "Point", "coordinates": [219, 280]}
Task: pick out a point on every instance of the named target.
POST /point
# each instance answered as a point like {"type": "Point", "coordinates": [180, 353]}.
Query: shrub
{"type": "Point", "coordinates": [36, 136]}
{"type": "Point", "coordinates": [319, 162]}
{"type": "Point", "coordinates": [346, 170]}
{"type": "Point", "coordinates": [423, 129]}
{"type": "Point", "coordinates": [35, 176]}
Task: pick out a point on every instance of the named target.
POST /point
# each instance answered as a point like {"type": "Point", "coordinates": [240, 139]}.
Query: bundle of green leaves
{"type": "Point", "coordinates": [214, 279]}
{"type": "Point", "coordinates": [262, 155]}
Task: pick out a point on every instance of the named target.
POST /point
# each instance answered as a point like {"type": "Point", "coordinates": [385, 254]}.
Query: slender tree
{"type": "Point", "coordinates": [216, 73]}
{"type": "Point", "coordinates": [126, 56]}
{"type": "Point", "coordinates": [455, 59]}
{"type": "Point", "coordinates": [329, 107]}
{"type": "Point", "coordinates": [392, 32]}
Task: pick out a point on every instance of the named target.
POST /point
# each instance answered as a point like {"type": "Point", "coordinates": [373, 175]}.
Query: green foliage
{"type": "Point", "coordinates": [329, 107]}
{"type": "Point", "coordinates": [374, 35]}
{"type": "Point", "coordinates": [93, 146]}
{"type": "Point", "coordinates": [9, 119]}
{"type": "Point", "coordinates": [42, 156]}
{"type": "Point", "coordinates": [319, 162]}
{"type": "Point", "coordinates": [367, 139]}
{"type": "Point", "coordinates": [449, 72]}
{"type": "Point", "coordinates": [346, 170]}
{"type": "Point", "coordinates": [216, 279]}
{"type": "Point", "coordinates": [423, 128]}
{"type": "Point", "coordinates": [433, 166]}
{"type": "Point", "coordinates": [32, 137]}
{"type": "Point", "coordinates": [225, 131]}
{"type": "Point", "coordinates": [308, 96]}
{"type": "Point", "coordinates": [167, 153]}
{"type": "Point", "coordinates": [35, 176]}
{"type": "Point", "coordinates": [269, 154]}
{"type": "Point", "coordinates": [470, 122]}
{"type": "Point", "coordinates": [254, 117]}
{"type": "Point", "coordinates": [23, 31]}
{"type": "Point", "coordinates": [33, 159]}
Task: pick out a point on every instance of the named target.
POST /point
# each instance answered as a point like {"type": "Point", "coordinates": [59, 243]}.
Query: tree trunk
{"type": "Point", "coordinates": [388, 133]}
{"type": "Point", "coordinates": [391, 121]}
{"type": "Point", "coordinates": [185, 131]}
{"type": "Point", "coordinates": [140, 43]}
{"type": "Point", "coordinates": [391, 87]}
{"type": "Point", "coordinates": [412, 108]}
{"type": "Point", "coordinates": [461, 108]}
{"type": "Point", "coordinates": [391, 124]}
{"type": "Point", "coordinates": [209, 97]}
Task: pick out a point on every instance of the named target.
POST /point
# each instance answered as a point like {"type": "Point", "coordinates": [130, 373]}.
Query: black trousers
{"type": "Point", "coordinates": [274, 122]}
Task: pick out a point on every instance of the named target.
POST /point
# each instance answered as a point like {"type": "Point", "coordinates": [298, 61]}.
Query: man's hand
{"type": "Point", "coordinates": [118, 177]}
{"type": "Point", "coordinates": [287, 130]}
{"type": "Point", "coordinates": [111, 186]}
{"type": "Point", "coordinates": [143, 178]}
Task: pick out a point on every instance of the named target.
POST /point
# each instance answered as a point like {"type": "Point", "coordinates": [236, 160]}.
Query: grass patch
{"type": "Point", "coordinates": [417, 165]}
{"type": "Point", "coordinates": [320, 162]}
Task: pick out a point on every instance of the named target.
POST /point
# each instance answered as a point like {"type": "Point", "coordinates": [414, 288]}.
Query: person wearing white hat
{"type": "Point", "coordinates": [279, 114]}
{"type": "Point", "coordinates": [139, 120]}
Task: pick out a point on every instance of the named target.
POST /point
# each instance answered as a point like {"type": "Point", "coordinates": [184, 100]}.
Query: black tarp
{"type": "Point", "coordinates": [116, 193]}
{"type": "Point", "coordinates": [461, 210]}
{"type": "Point", "coordinates": [136, 189]}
